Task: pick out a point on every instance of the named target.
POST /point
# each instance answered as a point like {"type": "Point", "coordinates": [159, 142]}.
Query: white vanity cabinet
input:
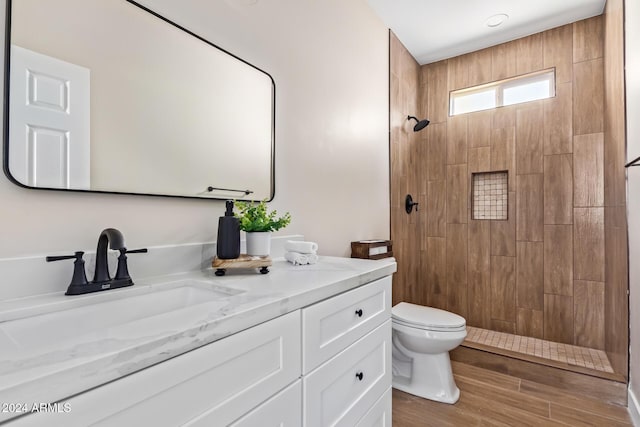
{"type": "Point", "coordinates": [346, 365]}
{"type": "Point", "coordinates": [327, 364]}
{"type": "Point", "coordinates": [212, 386]}
{"type": "Point", "coordinates": [380, 413]}
{"type": "Point", "coordinates": [347, 358]}
{"type": "Point", "coordinates": [282, 410]}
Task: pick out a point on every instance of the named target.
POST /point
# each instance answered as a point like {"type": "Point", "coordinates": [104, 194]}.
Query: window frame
{"type": "Point", "coordinates": [548, 74]}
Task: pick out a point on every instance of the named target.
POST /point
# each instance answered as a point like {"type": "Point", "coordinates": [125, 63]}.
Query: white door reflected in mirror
{"type": "Point", "coordinates": [49, 126]}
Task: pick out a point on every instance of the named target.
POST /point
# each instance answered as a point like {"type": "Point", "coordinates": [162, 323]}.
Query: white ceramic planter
{"type": "Point", "coordinates": [259, 243]}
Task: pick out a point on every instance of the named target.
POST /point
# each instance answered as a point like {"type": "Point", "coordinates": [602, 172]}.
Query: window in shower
{"type": "Point", "coordinates": [525, 88]}
{"type": "Point", "coordinates": [490, 195]}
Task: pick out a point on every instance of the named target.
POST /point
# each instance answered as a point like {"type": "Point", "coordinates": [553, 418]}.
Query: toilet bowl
{"type": "Point", "coordinates": [422, 339]}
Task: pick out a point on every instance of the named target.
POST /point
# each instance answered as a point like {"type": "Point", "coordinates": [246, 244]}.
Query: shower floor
{"type": "Point", "coordinates": [534, 349]}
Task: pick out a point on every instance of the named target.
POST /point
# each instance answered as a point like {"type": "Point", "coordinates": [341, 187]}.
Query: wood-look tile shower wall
{"type": "Point", "coordinates": [616, 311]}
{"type": "Point", "coordinates": [541, 273]}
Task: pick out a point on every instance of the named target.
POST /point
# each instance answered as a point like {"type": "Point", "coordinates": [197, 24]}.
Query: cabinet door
{"type": "Point", "coordinates": [282, 410]}
{"type": "Point", "coordinates": [380, 414]}
{"type": "Point", "coordinates": [341, 391]}
{"type": "Point", "coordinates": [330, 326]}
{"type": "Point", "coordinates": [223, 380]}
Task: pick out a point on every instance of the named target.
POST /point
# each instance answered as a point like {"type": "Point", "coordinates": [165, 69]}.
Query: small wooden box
{"type": "Point", "coordinates": [371, 249]}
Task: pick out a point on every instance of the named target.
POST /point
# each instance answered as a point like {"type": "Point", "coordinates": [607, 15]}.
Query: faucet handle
{"type": "Point", "coordinates": [62, 257]}
{"type": "Point", "coordinates": [79, 275]}
{"type": "Point", "coordinates": [122, 272]}
{"type": "Point", "coordinates": [137, 251]}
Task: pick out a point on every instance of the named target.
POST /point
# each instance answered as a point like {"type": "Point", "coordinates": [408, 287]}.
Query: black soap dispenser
{"type": "Point", "coordinates": [228, 244]}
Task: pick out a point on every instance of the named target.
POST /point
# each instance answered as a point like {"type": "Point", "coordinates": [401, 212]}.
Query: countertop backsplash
{"type": "Point", "coordinates": [29, 276]}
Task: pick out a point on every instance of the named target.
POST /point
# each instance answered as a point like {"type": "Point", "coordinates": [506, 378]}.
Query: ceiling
{"type": "Point", "coordinates": [437, 29]}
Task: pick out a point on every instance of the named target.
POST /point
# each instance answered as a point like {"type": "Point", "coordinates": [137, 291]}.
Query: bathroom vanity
{"type": "Point", "coordinates": [300, 346]}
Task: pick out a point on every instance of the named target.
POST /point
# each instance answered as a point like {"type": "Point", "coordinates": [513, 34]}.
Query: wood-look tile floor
{"type": "Point", "coordinates": [569, 354]}
{"type": "Point", "coordinates": [488, 398]}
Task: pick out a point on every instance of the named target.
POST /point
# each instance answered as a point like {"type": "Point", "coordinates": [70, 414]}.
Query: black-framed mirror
{"type": "Point", "coordinates": [108, 96]}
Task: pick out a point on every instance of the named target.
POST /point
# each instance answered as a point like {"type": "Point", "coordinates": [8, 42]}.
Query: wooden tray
{"type": "Point", "coordinates": [243, 261]}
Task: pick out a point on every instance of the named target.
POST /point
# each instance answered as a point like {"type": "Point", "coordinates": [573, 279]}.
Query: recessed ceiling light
{"type": "Point", "coordinates": [496, 20]}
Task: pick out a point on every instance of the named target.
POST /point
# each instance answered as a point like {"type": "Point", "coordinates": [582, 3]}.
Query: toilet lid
{"type": "Point", "coordinates": [422, 317]}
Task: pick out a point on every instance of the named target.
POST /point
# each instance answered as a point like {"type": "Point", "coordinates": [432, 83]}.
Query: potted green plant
{"type": "Point", "coordinates": [258, 224]}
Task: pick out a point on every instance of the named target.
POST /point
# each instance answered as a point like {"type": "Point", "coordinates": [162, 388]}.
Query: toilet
{"type": "Point", "coordinates": [422, 339]}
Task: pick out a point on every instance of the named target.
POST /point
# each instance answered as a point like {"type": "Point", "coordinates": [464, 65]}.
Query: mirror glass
{"type": "Point", "coordinates": [107, 96]}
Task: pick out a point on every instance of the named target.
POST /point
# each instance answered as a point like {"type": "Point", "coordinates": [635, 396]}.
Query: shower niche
{"type": "Point", "coordinates": [490, 195]}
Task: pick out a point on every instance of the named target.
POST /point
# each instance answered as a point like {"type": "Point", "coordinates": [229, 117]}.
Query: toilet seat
{"type": "Point", "coordinates": [427, 318]}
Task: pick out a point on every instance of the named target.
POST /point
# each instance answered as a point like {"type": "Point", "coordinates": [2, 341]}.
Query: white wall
{"type": "Point", "coordinates": [632, 75]}
{"type": "Point", "coordinates": [329, 62]}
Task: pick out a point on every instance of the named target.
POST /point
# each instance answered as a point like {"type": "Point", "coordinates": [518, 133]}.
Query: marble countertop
{"type": "Point", "coordinates": [41, 367]}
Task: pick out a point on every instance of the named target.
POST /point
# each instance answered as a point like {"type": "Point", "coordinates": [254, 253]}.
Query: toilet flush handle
{"type": "Point", "coordinates": [359, 312]}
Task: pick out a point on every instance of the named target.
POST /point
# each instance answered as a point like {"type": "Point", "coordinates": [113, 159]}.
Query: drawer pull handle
{"type": "Point", "coordinates": [359, 312]}
{"type": "Point", "coordinates": [360, 376]}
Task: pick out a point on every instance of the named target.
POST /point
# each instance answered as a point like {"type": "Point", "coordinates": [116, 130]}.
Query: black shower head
{"type": "Point", "coordinates": [420, 124]}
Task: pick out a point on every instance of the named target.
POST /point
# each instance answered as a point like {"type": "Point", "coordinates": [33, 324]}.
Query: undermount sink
{"type": "Point", "coordinates": [113, 309]}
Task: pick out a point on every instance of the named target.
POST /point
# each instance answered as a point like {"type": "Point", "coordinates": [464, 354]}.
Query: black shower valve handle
{"type": "Point", "coordinates": [409, 204]}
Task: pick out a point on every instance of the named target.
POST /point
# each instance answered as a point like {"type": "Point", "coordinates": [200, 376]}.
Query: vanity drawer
{"type": "Point", "coordinates": [330, 326]}
{"type": "Point", "coordinates": [221, 381]}
{"type": "Point", "coordinates": [380, 414]}
{"type": "Point", "coordinates": [340, 392]}
{"type": "Point", "coordinates": [282, 410]}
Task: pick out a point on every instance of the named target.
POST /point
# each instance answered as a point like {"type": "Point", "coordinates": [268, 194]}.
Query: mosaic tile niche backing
{"type": "Point", "coordinates": [490, 195]}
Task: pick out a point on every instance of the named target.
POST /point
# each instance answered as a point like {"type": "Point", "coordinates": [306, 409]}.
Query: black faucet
{"type": "Point", "coordinates": [101, 279]}
{"type": "Point", "coordinates": [115, 240]}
